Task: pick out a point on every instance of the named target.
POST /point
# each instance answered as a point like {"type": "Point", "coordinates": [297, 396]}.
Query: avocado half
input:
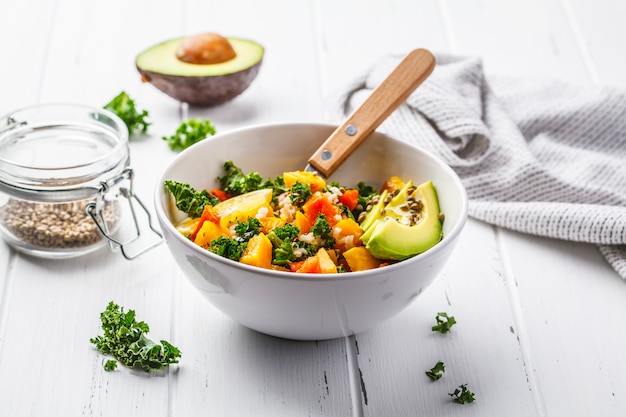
{"type": "Point", "coordinates": [200, 84]}
{"type": "Point", "coordinates": [389, 235]}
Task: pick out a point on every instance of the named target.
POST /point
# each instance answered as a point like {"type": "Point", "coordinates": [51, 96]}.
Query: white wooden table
{"type": "Point", "coordinates": [540, 322]}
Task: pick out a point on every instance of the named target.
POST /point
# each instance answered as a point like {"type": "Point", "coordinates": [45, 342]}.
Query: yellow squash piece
{"type": "Point", "coordinates": [258, 252]}
{"type": "Point", "coordinates": [360, 259]}
{"type": "Point", "coordinates": [316, 182]}
{"type": "Point", "coordinates": [327, 266]}
{"type": "Point", "coordinates": [208, 232]}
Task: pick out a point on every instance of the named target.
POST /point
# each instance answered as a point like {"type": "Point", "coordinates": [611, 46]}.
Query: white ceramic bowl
{"type": "Point", "coordinates": [309, 306]}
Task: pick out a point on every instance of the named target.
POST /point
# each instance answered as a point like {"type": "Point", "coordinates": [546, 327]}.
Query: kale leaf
{"type": "Point", "coordinates": [322, 229]}
{"type": "Point", "coordinates": [190, 132]}
{"type": "Point", "coordinates": [300, 193]}
{"type": "Point", "coordinates": [125, 339]}
{"type": "Point", "coordinates": [228, 248]}
{"type": "Point", "coordinates": [436, 371]}
{"type": "Point", "coordinates": [444, 322]}
{"type": "Point", "coordinates": [234, 182]}
{"type": "Point", "coordinates": [246, 230]}
{"type": "Point", "coordinates": [188, 199]}
{"type": "Point", "coordinates": [124, 107]}
{"type": "Point", "coordinates": [462, 395]}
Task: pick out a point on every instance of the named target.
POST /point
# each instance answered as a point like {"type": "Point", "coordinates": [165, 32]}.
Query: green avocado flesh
{"type": "Point", "coordinates": [162, 59]}
{"type": "Point", "coordinates": [388, 232]}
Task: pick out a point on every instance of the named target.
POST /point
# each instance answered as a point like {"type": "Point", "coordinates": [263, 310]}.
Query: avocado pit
{"type": "Point", "coordinates": [202, 70]}
{"type": "Point", "coordinates": [205, 48]}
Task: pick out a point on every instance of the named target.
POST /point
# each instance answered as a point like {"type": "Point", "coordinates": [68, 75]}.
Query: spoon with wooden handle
{"type": "Point", "coordinates": [414, 68]}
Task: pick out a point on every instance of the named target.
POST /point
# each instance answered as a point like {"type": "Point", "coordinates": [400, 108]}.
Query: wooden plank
{"type": "Point", "coordinates": [230, 370]}
{"type": "Point", "coordinates": [599, 30]}
{"type": "Point", "coordinates": [354, 35]}
{"type": "Point", "coordinates": [564, 359]}
{"type": "Point", "coordinates": [53, 307]}
{"type": "Point", "coordinates": [483, 351]}
{"type": "Point", "coordinates": [573, 307]}
{"type": "Point", "coordinates": [530, 39]}
{"type": "Point", "coordinates": [577, 348]}
{"type": "Point", "coordinates": [25, 52]}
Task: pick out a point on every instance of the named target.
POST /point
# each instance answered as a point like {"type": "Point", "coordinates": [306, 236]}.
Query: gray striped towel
{"type": "Point", "coordinates": [537, 156]}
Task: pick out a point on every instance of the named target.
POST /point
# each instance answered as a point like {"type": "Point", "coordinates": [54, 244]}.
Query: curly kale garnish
{"type": "Point", "coordinates": [300, 193]}
{"type": "Point", "coordinates": [444, 323]}
{"type": "Point", "coordinates": [436, 372]}
{"type": "Point", "coordinates": [366, 193]}
{"type": "Point", "coordinates": [188, 199]}
{"type": "Point", "coordinates": [462, 395]}
{"type": "Point", "coordinates": [233, 248]}
{"type": "Point", "coordinates": [286, 246]}
{"type": "Point", "coordinates": [234, 182]}
{"type": "Point", "coordinates": [287, 232]}
{"type": "Point", "coordinates": [246, 230]}
{"type": "Point", "coordinates": [190, 132]}
{"type": "Point", "coordinates": [124, 107]}
{"type": "Point", "coordinates": [323, 230]}
{"type": "Point", "coordinates": [125, 339]}
{"type": "Point", "coordinates": [228, 248]}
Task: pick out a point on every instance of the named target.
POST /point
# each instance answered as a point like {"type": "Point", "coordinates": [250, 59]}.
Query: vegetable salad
{"type": "Point", "coordinates": [295, 222]}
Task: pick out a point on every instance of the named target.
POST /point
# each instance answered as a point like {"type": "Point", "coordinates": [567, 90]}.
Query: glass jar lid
{"type": "Point", "coordinates": [60, 150]}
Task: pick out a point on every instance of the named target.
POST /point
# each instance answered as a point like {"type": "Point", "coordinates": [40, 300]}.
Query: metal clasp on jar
{"type": "Point", "coordinates": [96, 210]}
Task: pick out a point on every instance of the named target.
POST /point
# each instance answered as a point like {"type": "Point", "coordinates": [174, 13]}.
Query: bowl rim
{"type": "Point", "coordinates": [449, 238]}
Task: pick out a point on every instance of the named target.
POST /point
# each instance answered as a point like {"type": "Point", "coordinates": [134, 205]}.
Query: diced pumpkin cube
{"type": "Point", "coordinates": [350, 199]}
{"type": "Point", "coordinates": [392, 184]}
{"type": "Point", "coordinates": [208, 232]}
{"type": "Point", "coordinates": [316, 182]}
{"type": "Point", "coordinates": [302, 222]}
{"type": "Point", "coordinates": [310, 265]}
{"type": "Point", "coordinates": [360, 259]}
{"type": "Point", "coordinates": [270, 223]}
{"type": "Point", "coordinates": [347, 234]}
{"type": "Point", "coordinates": [327, 266]}
{"type": "Point", "coordinates": [319, 204]}
{"type": "Point", "coordinates": [208, 214]}
{"type": "Point", "coordinates": [258, 252]}
{"type": "Point", "coordinates": [320, 263]}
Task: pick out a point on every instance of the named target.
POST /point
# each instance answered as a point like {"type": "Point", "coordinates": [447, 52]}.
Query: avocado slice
{"type": "Point", "coordinates": [396, 232]}
{"type": "Point", "coordinates": [375, 213]}
{"type": "Point", "coordinates": [200, 84]}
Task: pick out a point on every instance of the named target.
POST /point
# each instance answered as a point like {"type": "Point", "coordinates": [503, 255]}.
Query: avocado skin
{"type": "Point", "coordinates": [202, 85]}
{"type": "Point", "coordinates": [385, 238]}
{"type": "Point", "coordinates": [203, 91]}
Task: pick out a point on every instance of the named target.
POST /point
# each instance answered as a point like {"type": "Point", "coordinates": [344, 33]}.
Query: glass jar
{"type": "Point", "coordinates": [66, 181]}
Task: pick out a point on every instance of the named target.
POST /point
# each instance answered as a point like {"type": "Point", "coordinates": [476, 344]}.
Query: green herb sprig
{"type": "Point", "coordinates": [188, 199]}
{"type": "Point", "coordinates": [124, 107]}
{"type": "Point", "coordinates": [462, 395]}
{"type": "Point", "coordinates": [190, 132]}
{"type": "Point", "coordinates": [125, 339]}
{"type": "Point", "coordinates": [436, 372]}
{"type": "Point", "coordinates": [444, 323]}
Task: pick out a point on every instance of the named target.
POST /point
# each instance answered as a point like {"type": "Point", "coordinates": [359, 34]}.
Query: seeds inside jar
{"type": "Point", "coordinates": [56, 225]}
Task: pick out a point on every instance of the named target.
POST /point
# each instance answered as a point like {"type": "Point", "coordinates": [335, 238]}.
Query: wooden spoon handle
{"type": "Point", "coordinates": [388, 96]}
